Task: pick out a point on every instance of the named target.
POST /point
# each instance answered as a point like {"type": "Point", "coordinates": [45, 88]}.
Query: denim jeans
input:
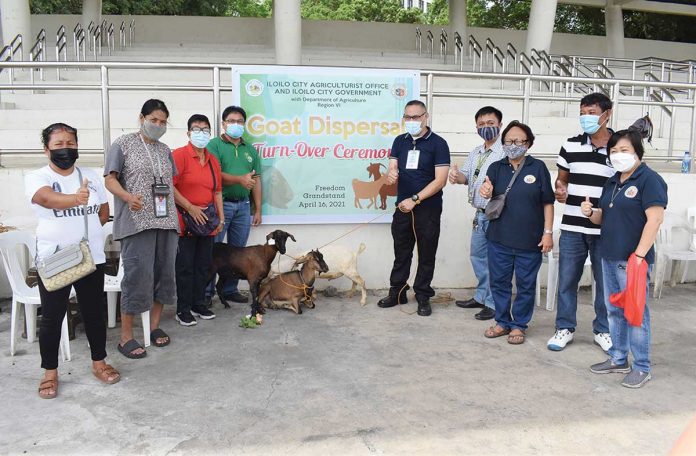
{"type": "Point", "coordinates": [525, 264]}
{"type": "Point", "coordinates": [574, 248]}
{"type": "Point", "coordinates": [237, 228]}
{"type": "Point", "coordinates": [625, 337]}
{"type": "Point", "coordinates": [479, 260]}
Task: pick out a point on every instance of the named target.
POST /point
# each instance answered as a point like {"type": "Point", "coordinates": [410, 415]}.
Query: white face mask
{"type": "Point", "coordinates": [622, 161]}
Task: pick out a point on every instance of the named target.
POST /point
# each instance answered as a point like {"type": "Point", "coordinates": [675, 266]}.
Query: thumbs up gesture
{"type": "Point", "coordinates": [586, 207]}
{"type": "Point", "coordinates": [248, 180]}
{"type": "Point", "coordinates": [486, 190]}
{"type": "Point", "coordinates": [455, 175]}
{"type": "Point", "coordinates": [82, 195]}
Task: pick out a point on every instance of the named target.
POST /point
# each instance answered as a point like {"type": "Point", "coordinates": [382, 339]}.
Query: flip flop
{"type": "Point", "coordinates": [159, 334]}
{"type": "Point", "coordinates": [493, 332]}
{"type": "Point", "coordinates": [129, 347]}
{"type": "Point", "coordinates": [516, 339]}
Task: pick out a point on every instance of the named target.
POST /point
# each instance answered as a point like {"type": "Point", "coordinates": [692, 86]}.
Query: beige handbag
{"type": "Point", "coordinates": [69, 264]}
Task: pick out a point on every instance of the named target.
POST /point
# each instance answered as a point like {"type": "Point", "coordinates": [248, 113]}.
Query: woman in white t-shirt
{"type": "Point", "coordinates": [58, 196]}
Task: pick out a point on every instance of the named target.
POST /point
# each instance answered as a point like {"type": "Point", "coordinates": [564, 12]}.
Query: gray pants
{"type": "Point", "coordinates": [149, 270]}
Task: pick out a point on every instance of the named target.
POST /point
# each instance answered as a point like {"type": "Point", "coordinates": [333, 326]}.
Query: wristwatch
{"type": "Point", "coordinates": [548, 232]}
{"type": "Point", "coordinates": [415, 198]}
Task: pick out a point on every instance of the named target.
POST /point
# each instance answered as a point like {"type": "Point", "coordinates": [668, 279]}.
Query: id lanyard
{"type": "Point", "coordinates": [160, 191]}
{"type": "Point", "coordinates": [413, 157]}
{"type": "Point", "coordinates": [479, 163]}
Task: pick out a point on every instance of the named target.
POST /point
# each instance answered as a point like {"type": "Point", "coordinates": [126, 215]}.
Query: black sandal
{"type": "Point", "coordinates": [129, 347]}
{"type": "Point", "coordinates": [159, 334]}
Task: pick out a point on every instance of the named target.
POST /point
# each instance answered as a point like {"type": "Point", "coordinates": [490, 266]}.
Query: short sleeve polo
{"type": "Point", "coordinates": [521, 224]}
{"type": "Point", "coordinates": [433, 152]}
{"type": "Point", "coordinates": [623, 211]}
{"type": "Point", "coordinates": [235, 160]}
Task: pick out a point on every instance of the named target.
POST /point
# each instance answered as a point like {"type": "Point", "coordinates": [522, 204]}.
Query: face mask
{"type": "Point", "coordinates": [64, 158]}
{"type": "Point", "coordinates": [200, 139]}
{"type": "Point", "coordinates": [413, 127]}
{"type": "Point", "coordinates": [488, 133]}
{"type": "Point", "coordinates": [622, 161]}
{"type": "Point", "coordinates": [235, 130]}
{"type": "Point", "coordinates": [590, 123]}
{"type": "Point", "coordinates": [512, 151]}
{"type": "Point", "coordinates": [152, 131]}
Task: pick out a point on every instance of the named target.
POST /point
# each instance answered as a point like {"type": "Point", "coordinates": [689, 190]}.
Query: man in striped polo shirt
{"type": "Point", "coordinates": [582, 171]}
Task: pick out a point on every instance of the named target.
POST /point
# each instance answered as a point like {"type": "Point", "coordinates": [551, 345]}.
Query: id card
{"type": "Point", "coordinates": [160, 196]}
{"type": "Point", "coordinates": [412, 159]}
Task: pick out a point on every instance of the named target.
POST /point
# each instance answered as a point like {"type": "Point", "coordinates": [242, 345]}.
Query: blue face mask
{"type": "Point", "coordinates": [413, 127]}
{"type": "Point", "coordinates": [200, 139]}
{"type": "Point", "coordinates": [488, 133]}
{"type": "Point", "coordinates": [590, 123]}
{"type": "Point", "coordinates": [235, 130]}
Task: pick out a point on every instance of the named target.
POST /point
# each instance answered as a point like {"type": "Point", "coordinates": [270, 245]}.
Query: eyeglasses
{"type": "Point", "coordinates": [414, 117]}
{"type": "Point", "coordinates": [199, 129]}
{"type": "Point", "coordinates": [517, 142]}
{"type": "Point", "coordinates": [232, 121]}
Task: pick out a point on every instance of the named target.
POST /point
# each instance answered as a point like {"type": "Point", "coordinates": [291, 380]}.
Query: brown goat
{"type": "Point", "coordinates": [250, 263]}
{"type": "Point", "coordinates": [293, 287]}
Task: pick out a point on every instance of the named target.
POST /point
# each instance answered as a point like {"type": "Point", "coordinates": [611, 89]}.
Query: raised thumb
{"type": "Point", "coordinates": [85, 183]}
{"type": "Point", "coordinates": [587, 199]}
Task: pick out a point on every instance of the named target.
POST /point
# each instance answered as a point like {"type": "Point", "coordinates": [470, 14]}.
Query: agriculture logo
{"type": "Point", "coordinates": [399, 91]}
{"type": "Point", "coordinates": [254, 88]}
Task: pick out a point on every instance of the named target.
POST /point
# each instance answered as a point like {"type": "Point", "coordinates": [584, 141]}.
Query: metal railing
{"type": "Point", "coordinates": [96, 42]}
{"type": "Point", "coordinates": [511, 52]}
{"type": "Point", "coordinates": [131, 32]}
{"type": "Point", "coordinates": [431, 43]}
{"type": "Point", "coordinates": [8, 54]}
{"type": "Point", "coordinates": [475, 50]}
{"type": "Point", "coordinates": [37, 53]}
{"type": "Point", "coordinates": [61, 48]}
{"type": "Point", "coordinates": [526, 96]}
{"type": "Point", "coordinates": [110, 39]}
{"type": "Point", "coordinates": [650, 93]}
{"type": "Point", "coordinates": [443, 46]}
{"type": "Point", "coordinates": [419, 40]}
{"type": "Point", "coordinates": [458, 50]}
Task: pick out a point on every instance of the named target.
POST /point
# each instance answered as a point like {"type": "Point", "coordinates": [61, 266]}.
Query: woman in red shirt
{"type": "Point", "coordinates": [197, 187]}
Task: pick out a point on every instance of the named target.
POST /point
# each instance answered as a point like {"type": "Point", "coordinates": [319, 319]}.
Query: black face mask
{"type": "Point", "coordinates": [64, 158]}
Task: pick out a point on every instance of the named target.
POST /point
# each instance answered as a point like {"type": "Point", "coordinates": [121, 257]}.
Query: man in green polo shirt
{"type": "Point", "coordinates": [241, 168]}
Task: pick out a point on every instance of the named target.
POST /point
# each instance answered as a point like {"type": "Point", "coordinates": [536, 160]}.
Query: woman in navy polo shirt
{"type": "Point", "coordinates": [631, 211]}
{"type": "Point", "coordinates": [517, 239]}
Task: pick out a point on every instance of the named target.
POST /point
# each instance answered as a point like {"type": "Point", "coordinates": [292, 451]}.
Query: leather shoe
{"type": "Point", "coordinates": [469, 304]}
{"type": "Point", "coordinates": [391, 301]}
{"type": "Point", "coordinates": [424, 309]}
{"type": "Point", "coordinates": [486, 314]}
{"type": "Point", "coordinates": [237, 297]}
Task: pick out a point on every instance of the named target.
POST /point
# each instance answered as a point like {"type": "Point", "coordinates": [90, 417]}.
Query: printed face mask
{"type": "Point", "coordinates": [153, 131]}
{"type": "Point", "coordinates": [200, 139]}
{"type": "Point", "coordinates": [622, 161]}
{"type": "Point", "coordinates": [64, 158]}
{"type": "Point", "coordinates": [488, 133]}
{"type": "Point", "coordinates": [234, 130]}
{"type": "Point", "coordinates": [512, 151]}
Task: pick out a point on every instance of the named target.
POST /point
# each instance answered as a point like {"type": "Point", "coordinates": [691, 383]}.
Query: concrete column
{"type": "Point", "coordinates": [16, 19]}
{"type": "Point", "coordinates": [287, 21]}
{"type": "Point", "coordinates": [540, 30]}
{"type": "Point", "coordinates": [91, 12]}
{"type": "Point", "coordinates": [457, 21]}
{"type": "Point", "coordinates": [613, 20]}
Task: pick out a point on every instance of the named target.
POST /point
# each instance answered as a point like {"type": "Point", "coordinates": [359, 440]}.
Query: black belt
{"type": "Point", "coordinates": [231, 200]}
{"type": "Point", "coordinates": [483, 211]}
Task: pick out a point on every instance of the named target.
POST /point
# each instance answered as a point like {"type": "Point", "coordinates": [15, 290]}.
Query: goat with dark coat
{"type": "Point", "coordinates": [251, 263]}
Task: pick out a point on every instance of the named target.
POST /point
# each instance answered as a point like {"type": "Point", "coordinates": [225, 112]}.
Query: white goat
{"type": "Point", "coordinates": [342, 261]}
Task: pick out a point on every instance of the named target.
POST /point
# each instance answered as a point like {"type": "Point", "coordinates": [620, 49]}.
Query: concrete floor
{"type": "Point", "coordinates": [341, 379]}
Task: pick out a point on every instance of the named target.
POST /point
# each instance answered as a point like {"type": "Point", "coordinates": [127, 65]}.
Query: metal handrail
{"type": "Point", "coordinates": [17, 44]}
{"type": "Point", "coordinates": [419, 42]}
{"type": "Point", "coordinates": [37, 53]}
{"type": "Point", "coordinates": [431, 43]}
{"type": "Point", "coordinates": [122, 35]}
{"type": "Point", "coordinates": [489, 49]}
{"type": "Point", "coordinates": [9, 52]}
{"type": "Point", "coordinates": [650, 94]}
{"type": "Point", "coordinates": [103, 28]}
{"type": "Point", "coordinates": [110, 43]}
{"type": "Point", "coordinates": [458, 50]}
{"type": "Point", "coordinates": [529, 65]}
{"type": "Point", "coordinates": [79, 42]}
{"type": "Point", "coordinates": [61, 48]}
{"type": "Point", "coordinates": [131, 32]}
{"type": "Point", "coordinates": [91, 30]}
{"type": "Point", "coordinates": [526, 97]}
{"type": "Point", "coordinates": [511, 51]}
{"type": "Point", "coordinates": [474, 50]}
{"type": "Point", "coordinates": [443, 46]}
{"type": "Point", "coordinates": [473, 43]}
{"type": "Point", "coordinates": [96, 42]}
{"type": "Point", "coordinates": [499, 57]}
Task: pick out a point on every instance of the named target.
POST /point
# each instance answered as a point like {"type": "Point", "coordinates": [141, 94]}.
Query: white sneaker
{"type": "Point", "coordinates": [603, 340]}
{"type": "Point", "coordinates": [560, 339]}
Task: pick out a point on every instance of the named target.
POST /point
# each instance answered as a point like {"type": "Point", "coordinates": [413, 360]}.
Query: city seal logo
{"type": "Point", "coordinates": [399, 91]}
{"type": "Point", "coordinates": [248, 157]}
{"type": "Point", "coordinates": [254, 88]}
{"type": "Point", "coordinates": [631, 192]}
{"type": "Point", "coordinates": [529, 179]}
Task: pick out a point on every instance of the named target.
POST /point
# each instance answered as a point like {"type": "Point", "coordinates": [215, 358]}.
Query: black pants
{"type": "Point", "coordinates": [192, 267]}
{"type": "Point", "coordinates": [54, 305]}
{"type": "Point", "coordinates": [427, 228]}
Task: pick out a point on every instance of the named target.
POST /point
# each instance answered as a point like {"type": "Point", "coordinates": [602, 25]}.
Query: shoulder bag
{"type": "Point", "coordinates": [495, 206]}
{"type": "Point", "coordinates": [213, 219]}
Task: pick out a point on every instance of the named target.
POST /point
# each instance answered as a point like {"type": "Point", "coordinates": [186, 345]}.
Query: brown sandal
{"type": "Point", "coordinates": [516, 339]}
{"type": "Point", "coordinates": [496, 331]}
{"type": "Point", "coordinates": [48, 384]}
{"type": "Point", "coordinates": [103, 374]}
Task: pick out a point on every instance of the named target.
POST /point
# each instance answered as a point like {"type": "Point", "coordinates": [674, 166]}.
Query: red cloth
{"type": "Point", "coordinates": [193, 180]}
{"type": "Point", "coordinates": [632, 299]}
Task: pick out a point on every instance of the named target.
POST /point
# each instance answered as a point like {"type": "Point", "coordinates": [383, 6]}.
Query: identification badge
{"type": "Point", "coordinates": [412, 159]}
{"type": "Point", "coordinates": [160, 196]}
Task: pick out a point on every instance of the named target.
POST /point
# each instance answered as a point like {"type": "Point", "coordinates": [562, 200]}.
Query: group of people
{"type": "Point", "coordinates": [171, 206]}
{"type": "Point", "coordinates": [613, 207]}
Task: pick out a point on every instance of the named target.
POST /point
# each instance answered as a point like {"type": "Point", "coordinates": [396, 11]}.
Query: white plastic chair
{"type": "Point", "coordinates": [112, 287]}
{"type": "Point", "coordinates": [23, 294]}
{"type": "Point", "coordinates": [666, 252]}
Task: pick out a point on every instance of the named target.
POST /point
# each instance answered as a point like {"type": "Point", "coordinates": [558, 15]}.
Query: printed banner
{"type": "Point", "coordinates": [324, 136]}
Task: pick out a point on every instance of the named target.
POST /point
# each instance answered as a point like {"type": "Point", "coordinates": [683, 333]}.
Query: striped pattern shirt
{"type": "Point", "coordinates": [589, 170]}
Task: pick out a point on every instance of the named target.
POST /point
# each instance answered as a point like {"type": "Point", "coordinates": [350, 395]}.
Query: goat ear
{"type": "Point", "coordinates": [269, 235]}
{"type": "Point", "coordinates": [292, 237]}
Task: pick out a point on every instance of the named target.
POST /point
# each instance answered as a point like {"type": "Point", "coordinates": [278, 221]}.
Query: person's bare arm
{"type": "Point", "coordinates": [135, 202]}
{"type": "Point", "coordinates": [104, 213]}
{"type": "Point", "coordinates": [256, 198]}
{"type": "Point", "coordinates": [655, 215]}
{"type": "Point", "coordinates": [546, 243]}
{"type": "Point", "coordinates": [562, 185]}
{"type": "Point", "coordinates": [50, 199]}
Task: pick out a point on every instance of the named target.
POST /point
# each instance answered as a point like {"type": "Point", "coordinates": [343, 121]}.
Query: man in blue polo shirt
{"type": "Point", "coordinates": [419, 162]}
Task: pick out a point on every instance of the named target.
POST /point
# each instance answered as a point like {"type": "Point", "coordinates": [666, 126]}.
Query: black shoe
{"type": "Point", "coordinates": [424, 309]}
{"type": "Point", "coordinates": [391, 301]}
{"type": "Point", "coordinates": [185, 319]}
{"type": "Point", "coordinates": [469, 304]}
{"type": "Point", "coordinates": [486, 314]}
{"type": "Point", "coordinates": [237, 297]}
{"type": "Point", "coordinates": [203, 313]}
